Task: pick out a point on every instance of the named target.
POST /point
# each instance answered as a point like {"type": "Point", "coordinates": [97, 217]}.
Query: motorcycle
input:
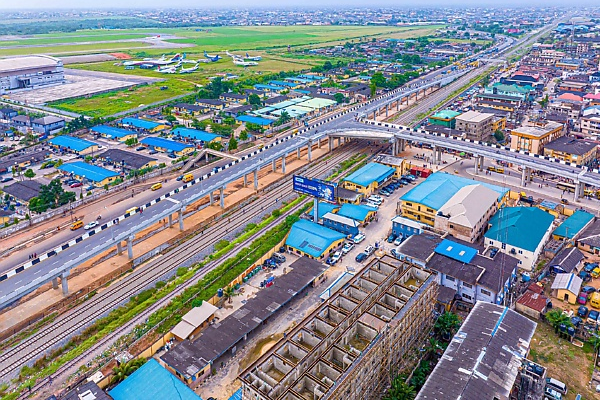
{"type": "Point", "coordinates": [99, 218]}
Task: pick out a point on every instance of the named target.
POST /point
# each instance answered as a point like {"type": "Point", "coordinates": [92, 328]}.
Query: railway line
{"type": "Point", "coordinates": [74, 321]}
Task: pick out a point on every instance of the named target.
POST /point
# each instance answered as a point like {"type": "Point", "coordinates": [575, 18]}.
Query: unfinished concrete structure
{"type": "Point", "coordinates": [350, 346]}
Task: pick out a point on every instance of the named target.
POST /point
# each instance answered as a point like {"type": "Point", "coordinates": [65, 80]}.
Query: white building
{"type": "Point", "coordinates": [30, 72]}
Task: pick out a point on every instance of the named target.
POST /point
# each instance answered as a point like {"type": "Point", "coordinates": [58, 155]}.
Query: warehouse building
{"type": "Point", "coordinates": [368, 178]}
{"type": "Point", "coordinates": [110, 132]}
{"type": "Point", "coordinates": [168, 146]}
{"type": "Point", "coordinates": [74, 145]}
{"type": "Point", "coordinates": [354, 342]}
{"type": "Point", "coordinates": [313, 240]}
{"type": "Point", "coordinates": [143, 125]}
{"type": "Point", "coordinates": [573, 226]}
{"type": "Point", "coordinates": [30, 72]}
{"type": "Point", "coordinates": [127, 160]}
{"type": "Point", "coordinates": [196, 135]}
{"type": "Point", "coordinates": [342, 224]}
{"type": "Point", "coordinates": [358, 212]}
{"type": "Point", "coordinates": [82, 171]}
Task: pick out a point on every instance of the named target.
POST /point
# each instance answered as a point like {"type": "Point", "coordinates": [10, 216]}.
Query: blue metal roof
{"type": "Point", "coordinates": [268, 87]}
{"type": "Point", "coordinates": [574, 224]}
{"type": "Point", "coordinates": [283, 83]}
{"type": "Point", "coordinates": [150, 382]}
{"type": "Point", "coordinates": [255, 120]}
{"type": "Point", "coordinates": [140, 123]}
{"type": "Point", "coordinates": [439, 187]}
{"type": "Point", "coordinates": [456, 251]}
{"type": "Point", "coordinates": [237, 395]}
{"type": "Point", "coordinates": [195, 134]}
{"type": "Point", "coordinates": [372, 172]}
{"type": "Point", "coordinates": [91, 172]}
{"type": "Point", "coordinates": [357, 212]}
{"type": "Point", "coordinates": [170, 145]}
{"type": "Point", "coordinates": [324, 208]}
{"type": "Point", "coordinates": [311, 238]}
{"type": "Point", "coordinates": [521, 227]}
{"type": "Point", "coordinates": [111, 131]}
{"type": "Point", "coordinates": [71, 142]}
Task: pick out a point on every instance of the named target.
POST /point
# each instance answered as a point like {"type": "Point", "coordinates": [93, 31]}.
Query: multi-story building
{"type": "Point", "coordinates": [534, 138]}
{"type": "Point", "coordinates": [445, 118]}
{"type": "Point", "coordinates": [476, 125]}
{"type": "Point", "coordinates": [590, 125]}
{"type": "Point", "coordinates": [571, 150]}
{"type": "Point", "coordinates": [354, 342]}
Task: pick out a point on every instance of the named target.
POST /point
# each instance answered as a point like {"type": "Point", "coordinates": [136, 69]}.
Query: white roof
{"type": "Point", "coordinates": [469, 204]}
{"type": "Point", "coordinates": [27, 62]}
{"type": "Point", "coordinates": [570, 282]}
{"type": "Point", "coordinates": [407, 222]}
{"type": "Point", "coordinates": [474, 116]}
{"type": "Point", "coordinates": [193, 319]}
{"type": "Point", "coordinates": [341, 219]}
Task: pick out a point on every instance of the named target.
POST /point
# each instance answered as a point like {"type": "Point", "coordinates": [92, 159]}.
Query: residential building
{"type": "Point", "coordinates": [211, 104]}
{"type": "Point", "coordinates": [48, 125]}
{"type": "Point", "coordinates": [143, 125]}
{"type": "Point", "coordinates": [110, 132]}
{"type": "Point", "coordinates": [590, 125]}
{"type": "Point", "coordinates": [368, 178]}
{"type": "Point", "coordinates": [23, 191]}
{"type": "Point", "coordinates": [167, 146]}
{"type": "Point", "coordinates": [466, 214]}
{"type": "Point", "coordinates": [533, 139]}
{"type": "Point", "coordinates": [589, 240]}
{"type": "Point", "coordinates": [567, 260]}
{"type": "Point", "coordinates": [342, 224]}
{"type": "Point", "coordinates": [533, 302]}
{"type": "Point", "coordinates": [566, 287]}
{"type": "Point", "coordinates": [571, 150]}
{"type": "Point", "coordinates": [491, 336]}
{"type": "Point", "coordinates": [571, 227]}
{"type": "Point", "coordinates": [499, 102]}
{"type": "Point", "coordinates": [445, 118]}
{"type": "Point", "coordinates": [520, 92]}
{"type": "Point", "coordinates": [313, 240]}
{"type": "Point", "coordinates": [354, 343]}
{"type": "Point", "coordinates": [7, 113]}
{"type": "Point", "coordinates": [196, 135]}
{"type": "Point", "coordinates": [476, 125]}
{"type": "Point", "coordinates": [193, 110]}
{"type": "Point", "coordinates": [422, 202]}
{"type": "Point", "coordinates": [520, 232]}
{"type": "Point", "coordinates": [404, 227]}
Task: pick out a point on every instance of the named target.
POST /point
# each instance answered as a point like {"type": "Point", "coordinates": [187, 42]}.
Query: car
{"type": "Point", "coordinates": [140, 148]}
{"type": "Point", "coordinates": [375, 197]}
{"type": "Point", "coordinates": [361, 257]}
{"type": "Point", "coordinates": [593, 317]}
{"type": "Point", "coordinates": [551, 394]}
{"type": "Point", "coordinates": [398, 241]}
{"type": "Point", "coordinates": [391, 238]}
{"type": "Point", "coordinates": [595, 272]}
{"type": "Point", "coordinates": [585, 276]}
{"type": "Point", "coordinates": [171, 155]}
{"type": "Point", "coordinates": [385, 193]}
{"type": "Point", "coordinates": [395, 253]}
{"type": "Point", "coordinates": [582, 298]}
{"type": "Point", "coordinates": [370, 204]}
{"type": "Point", "coordinates": [588, 289]}
{"type": "Point", "coordinates": [152, 151]}
{"type": "Point", "coordinates": [280, 258]}
{"type": "Point", "coordinates": [590, 267]}
{"type": "Point", "coordinates": [582, 311]}
{"type": "Point", "coordinates": [337, 256]}
{"type": "Point", "coordinates": [6, 179]}
{"type": "Point", "coordinates": [576, 321]}
{"type": "Point", "coordinates": [91, 187]}
{"type": "Point", "coordinates": [91, 225]}
{"type": "Point", "coordinates": [376, 201]}
{"type": "Point", "coordinates": [75, 184]}
{"type": "Point", "coordinates": [347, 247]}
{"type": "Point", "coordinates": [568, 313]}
{"type": "Point", "coordinates": [358, 238]}
{"type": "Point", "coordinates": [369, 250]}
{"type": "Point", "coordinates": [179, 178]}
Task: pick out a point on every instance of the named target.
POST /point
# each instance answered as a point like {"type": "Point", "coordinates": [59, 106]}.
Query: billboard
{"type": "Point", "coordinates": [315, 187]}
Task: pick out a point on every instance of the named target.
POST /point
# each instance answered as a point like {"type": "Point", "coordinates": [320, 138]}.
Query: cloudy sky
{"type": "Point", "coordinates": [57, 4]}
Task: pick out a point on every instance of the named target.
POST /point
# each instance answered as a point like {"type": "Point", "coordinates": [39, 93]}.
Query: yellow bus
{"type": "Point", "coordinates": [188, 178]}
{"type": "Point", "coordinates": [156, 186]}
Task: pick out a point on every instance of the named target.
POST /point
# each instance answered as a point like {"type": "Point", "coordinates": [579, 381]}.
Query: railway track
{"type": "Point", "coordinates": [74, 321]}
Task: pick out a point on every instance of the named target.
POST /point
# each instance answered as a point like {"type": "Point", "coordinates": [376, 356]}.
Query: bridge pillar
{"type": "Point", "coordinates": [283, 164]}
{"type": "Point", "coordinates": [64, 282]}
{"type": "Point", "coordinates": [54, 283]}
{"type": "Point", "coordinates": [256, 179]}
{"type": "Point", "coordinates": [170, 220]}
{"type": "Point", "coordinates": [476, 164]}
{"type": "Point", "coordinates": [524, 176]}
{"type": "Point", "coordinates": [340, 141]}
{"type": "Point", "coordinates": [398, 104]}
{"type": "Point", "coordinates": [298, 153]}
{"type": "Point", "coordinates": [330, 144]}
{"type": "Point", "coordinates": [481, 158]}
{"type": "Point", "coordinates": [274, 164]}
{"type": "Point", "coordinates": [207, 157]}
{"type": "Point", "coordinates": [578, 191]}
{"type": "Point", "coordinates": [402, 144]}
{"type": "Point", "coordinates": [387, 109]}
{"type": "Point", "coordinates": [119, 248]}
{"type": "Point", "coordinates": [130, 247]}
{"type": "Point", "coordinates": [316, 211]}
{"type": "Point", "coordinates": [318, 143]}
{"type": "Point", "coordinates": [211, 198]}
{"type": "Point", "coordinates": [309, 151]}
{"type": "Point", "coordinates": [245, 180]}
{"type": "Point", "coordinates": [180, 217]}
{"type": "Point", "coordinates": [222, 196]}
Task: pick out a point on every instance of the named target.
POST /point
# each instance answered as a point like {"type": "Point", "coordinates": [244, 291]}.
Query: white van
{"type": "Point", "coordinates": [556, 385]}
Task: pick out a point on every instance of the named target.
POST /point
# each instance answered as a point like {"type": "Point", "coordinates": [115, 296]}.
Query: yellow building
{"type": "Point", "coordinates": [534, 138]}
{"type": "Point", "coordinates": [212, 104]}
{"type": "Point", "coordinates": [368, 178]}
{"type": "Point", "coordinates": [571, 150]}
{"type": "Point", "coordinates": [499, 123]}
{"type": "Point", "coordinates": [566, 287]}
{"type": "Point", "coordinates": [400, 165]}
{"type": "Point", "coordinates": [313, 240]}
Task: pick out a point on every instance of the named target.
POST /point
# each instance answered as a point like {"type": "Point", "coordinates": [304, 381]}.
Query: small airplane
{"type": "Point", "coordinates": [212, 58]}
{"type": "Point", "coordinates": [162, 61]}
{"type": "Point", "coordinates": [188, 70]}
{"type": "Point", "coordinates": [242, 63]}
{"type": "Point", "coordinates": [254, 58]}
{"type": "Point", "coordinates": [232, 55]}
{"type": "Point", "coordinates": [167, 70]}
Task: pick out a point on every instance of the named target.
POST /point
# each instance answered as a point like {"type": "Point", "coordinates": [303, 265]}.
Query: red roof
{"type": "Point", "coordinates": [570, 96]}
{"type": "Point", "coordinates": [592, 96]}
{"type": "Point", "coordinates": [534, 287]}
{"type": "Point", "coordinates": [534, 301]}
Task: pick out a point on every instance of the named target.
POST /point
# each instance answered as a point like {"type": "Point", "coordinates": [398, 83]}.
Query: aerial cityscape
{"type": "Point", "coordinates": [268, 202]}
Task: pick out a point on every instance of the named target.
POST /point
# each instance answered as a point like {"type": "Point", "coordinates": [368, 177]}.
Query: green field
{"type": "Point", "coordinates": [72, 49]}
{"type": "Point", "coordinates": [38, 40]}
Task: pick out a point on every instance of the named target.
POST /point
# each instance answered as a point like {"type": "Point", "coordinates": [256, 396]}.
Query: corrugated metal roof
{"type": "Point", "coordinates": [311, 238]}
{"type": "Point", "coordinates": [358, 212]}
{"type": "Point", "coordinates": [71, 142]}
{"type": "Point", "coordinates": [372, 172]}
{"type": "Point", "coordinates": [456, 251]}
{"type": "Point", "coordinates": [171, 145]}
{"type": "Point", "coordinates": [574, 224]}
{"type": "Point", "coordinates": [521, 227]}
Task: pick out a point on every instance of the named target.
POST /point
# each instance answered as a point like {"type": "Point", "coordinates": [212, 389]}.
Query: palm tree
{"type": "Point", "coordinates": [228, 293]}
{"type": "Point", "coordinates": [447, 324]}
{"type": "Point", "coordinates": [120, 372]}
{"type": "Point", "coordinates": [432, 346]}
{"type": "Point", "coordinates": [400, 390]}
{"type": "Point", "coordinates": [556, 318]}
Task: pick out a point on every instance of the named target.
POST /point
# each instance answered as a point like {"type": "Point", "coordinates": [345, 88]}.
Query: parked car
{"type": "Point", "coordinates": [398, 241]}
{"type": "Point", "coordinates": [588, 289]}
{"type": "Point", "coordinates": [171, 155]}
{"type": "Point", "coordinates": [576, 321]}
{"type": "Point", "coordinates": [585, 276]}
{"type": "Point", "coordinates": [376, 197]}
{"type": "Point", "coordinates": [337, 256]}
{"type": "Point", "coordinates": [361, 257]}
{"type": "Point", "coordinates": [347, 247]}
{"type": "Point", "coordinates": [395, 253]}
{"type": "Point", "coordinates": [152, 151]}
{"type": "Point", "coordinates": [75, 184]}
{"type": "Point", "coordinates": [371, 204]}
{"type": "Point", "coordinates": [369, 250]}
{"type": "Point", "coordinates": [592, 317]}
{"type": "Point", "coordinates": [582, 298]}
{"type": "Point", "coordinates": [91, 225]}
{"type": "Point", "coordinates": [590, 267]}
{"type": "Point", "coordinates": [358, 238]}
{"type": "Point", "coordinates": [140, 148]}
{"type": "Point", "coordinates": [280, 258]}
{"type": "Point", "coordinates": [582, 311]}
{"type": "Point", "coordinates": [595, 272]}
{"type": "Point", "coordinates": [6, 179]}
{"type": "Point", "coordinates": [556, 385]}
{"type": "Point", "coordinates": [551, 394]}
{"type": "Point", "coordinates": [391, 238]}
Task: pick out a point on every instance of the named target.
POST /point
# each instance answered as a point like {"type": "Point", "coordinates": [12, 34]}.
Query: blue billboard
{"type": "Point", "coordinates": [315, 187]}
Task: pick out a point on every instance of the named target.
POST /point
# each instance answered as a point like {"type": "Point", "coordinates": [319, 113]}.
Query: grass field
{"type": "Point", "coordinates": [72, 39]}
{"type": "Point", "coordinates": [71, 49]}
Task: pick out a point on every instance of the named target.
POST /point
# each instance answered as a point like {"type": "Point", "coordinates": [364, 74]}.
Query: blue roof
{"type": "Point", "coordinates": [311, 238]}
{"type": "Point", "coordinates": [151, 381]}
{"type": "Point", "coordinates": [357, 212]}
{"type": "Point", "coordinates": [237, 395]}
{"type": "Point", "coordinates": [283, 83]}
{"type": "Point", "coordinates": [439, 187]}
{"type": "Point", "coordinates": [521, 227]}
{"type": "Point", "coordinates": [456, 251]}
{"type": "Point", "coordinates": [372, 172]}
{"type": "Point", "coordinates": [170, 145]}
{"type": "Point", "coordinates": [111, 131]}
{"type": "Point", "coordinates": [91, 172]}
{"type": "Point", "coordinates": [324, 208]}
{"type": "Point", "coordinates": [140, 123]}
{"type": "Point", "coordinates": [269, 87]}
{"type": "Point", "coordinates": [255, 120]}
{"type": "Point", "coordinates": [574, 224]}
{"type": "Point", "coordinates": [71, 142]}
{"type": "Point", "coordinates": [195, 134]}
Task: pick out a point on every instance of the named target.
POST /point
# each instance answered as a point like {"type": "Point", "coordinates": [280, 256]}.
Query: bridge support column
{"type": "Point", "coordinates": [387, 110]}
{"type": "Point", "coordinates": [316, 211]}
{"type": "Point", "coordinates": [481, 158]}
{"type": "Point", "coordinates": [130, 247]}
{"type": "Point", "coordinates": [274, 164]}
{"type": "Point", "coordinates": [55, 283]}
{"type": "Point", "coordinates": [340, 141]}
{"type": "Point", "coordinates": [180, 217]}
{"type": "Point", "coordinates": [170, 220]}
{"type": "Point", "coordinates": [402, 145]}
{"type": "Point", "coordinates": [222, 196]}
{"type": "Point", "coordinates": [207, 157]}
{"type": "Point", "coordinates": [318, 143]}
{"type": "Point", "coordinates": [245, 180]}
{"type": "Point", "coordinates": [476, 164]}
{"type": "Point", "coordinates": [64, 282]}
{"type": "Point", "coordinates": [524, 176]}
{"type": "Point", "coordinates": [211, 198]}
{"type": "Point", "coordinates": [119, 248]}
{"type": "Point", "coordinates": [283, 164]}
{"type": "Point", "coordinates": [330, 144]}
{"type": "Point", "coordinates": [309, 151]}
{"type": "Point", "coordinates": [298, 153]}
{"type": "Point", "coordinates": [578, 190]}
{"type": "Point", "coordinates": [256, 179]}
{"type": "Point", "coordinates": [398, 105]}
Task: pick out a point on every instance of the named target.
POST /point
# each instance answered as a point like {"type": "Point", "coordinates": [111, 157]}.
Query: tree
{"type": "Point", "coordinates": [284, 118]}
{"type": "Point", "coordinates": [373, 88]}
{"type": "Point", "coordinates": [499, 135]}
{"type": "Point", "coordinates": [233, 144]}
{"type": "Point", "coordinates": [131, 141]}
{"type": "Point", "coordinates": [400, 390]}
{"type": "Point", "coordinates": [595, 342]}
{"type": "Point", "coordinates": [327, 65]}
{"type": "Point", "coordinates": [29, 173]}
{"type": "Point", "coordinates": [378, 79]}
{"type": "Point", "coordinates": [339, 98]}
{"type": "Point", "coordinates": [556, 318]}
{"type": "Point", "coordinates": [485, 81]}
{"type": "Point", "coordinates": [50, 196]}
{"type": "Point", "coordinates": [244, 135]}
{"type": "Point", "coordinates": [214, 145]}
{"type": "Point", "coordinates": [447, 324]}
{"type": "Point", "coordinates": [170, 118]}
{"type": "Point", "coordinates": [254, 127]}
{"type": "Point", "coordinates": [228, 293]}
{"type": "Point", "coordinates": [254, 100]}
{"type": "Point", "coordinates": [120, 372]}
{"type": "Point", "coordinates": [544, 102]}
{"type": "Point", "coordinates": [432, 346]}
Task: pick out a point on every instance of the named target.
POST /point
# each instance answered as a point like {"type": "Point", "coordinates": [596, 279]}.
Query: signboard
{"type": "Point", "coordinates": [315, 187]}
